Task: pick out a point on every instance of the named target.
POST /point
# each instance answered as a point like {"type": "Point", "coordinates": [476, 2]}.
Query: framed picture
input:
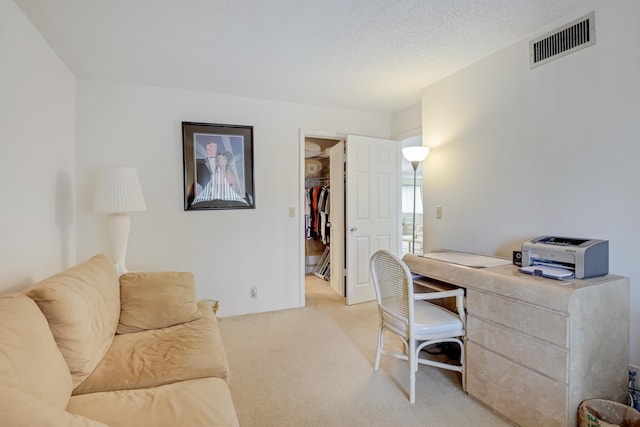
{"type": "Point", "coordinates": [218, 166]}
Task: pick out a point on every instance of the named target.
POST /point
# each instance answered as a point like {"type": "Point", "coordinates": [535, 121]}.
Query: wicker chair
{"type": "Point", "coordinates": [408, 315]}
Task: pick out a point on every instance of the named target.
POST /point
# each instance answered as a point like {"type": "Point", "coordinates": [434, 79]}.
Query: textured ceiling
{"type": "Point", "coordinates": [372, 55]}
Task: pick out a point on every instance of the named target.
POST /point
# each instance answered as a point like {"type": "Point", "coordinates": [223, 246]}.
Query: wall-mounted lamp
{"type": "Point", "coordinates": [117, 193]}
{"type": "Point", "coordinates": [415, 155]}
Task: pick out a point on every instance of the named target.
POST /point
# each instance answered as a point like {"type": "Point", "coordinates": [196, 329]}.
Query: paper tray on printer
{"type": "Point", "coordinates": [547, 271]}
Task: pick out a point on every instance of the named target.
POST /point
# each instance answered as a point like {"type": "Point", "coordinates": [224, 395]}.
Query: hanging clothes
{"type": "Point", "coordinates": [307, 214]}
{"type": "Point", "coordinates": [317, 213]}
{"type": "Point", "coordinates": [323, 214]}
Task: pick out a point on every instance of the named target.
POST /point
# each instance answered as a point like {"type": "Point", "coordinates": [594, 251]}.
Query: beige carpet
{"type": "Point", "coordinates": [314, 367]}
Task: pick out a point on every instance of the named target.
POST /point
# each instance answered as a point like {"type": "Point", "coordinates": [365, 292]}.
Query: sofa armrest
{"type": "Point", "coordinates": [213, 303]}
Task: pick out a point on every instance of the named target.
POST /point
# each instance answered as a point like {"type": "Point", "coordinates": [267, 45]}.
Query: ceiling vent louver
{"type": "Point", "coordinates": [572, 37]}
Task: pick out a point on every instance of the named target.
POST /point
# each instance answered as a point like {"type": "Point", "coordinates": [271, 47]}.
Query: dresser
{"type": "Point", "coordinates": [537, 347]}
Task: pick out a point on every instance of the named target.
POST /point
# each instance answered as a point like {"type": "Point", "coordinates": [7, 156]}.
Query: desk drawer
{"type": "Point", "coordinates": [521, 395]}
{"type": "Point", "coordinates": [536, 321]}
{"type": "Point", "coordinates": [540, 356]}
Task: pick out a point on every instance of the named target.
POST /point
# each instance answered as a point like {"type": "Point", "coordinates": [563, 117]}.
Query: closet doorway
{"type": "Point", "coordinates": [323, 200]}
{"type": "Point", "coordinates": [363, 210]}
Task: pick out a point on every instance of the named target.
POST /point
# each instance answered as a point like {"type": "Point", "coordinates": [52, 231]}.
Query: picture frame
{"type": "Point", "coordinates": [218, 166]}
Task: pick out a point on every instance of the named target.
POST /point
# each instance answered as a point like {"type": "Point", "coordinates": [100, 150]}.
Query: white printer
{"type": "Point", "coordinates": [586, 257]}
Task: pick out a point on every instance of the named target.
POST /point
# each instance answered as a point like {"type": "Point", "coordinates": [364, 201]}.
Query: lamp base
{"type": "Point", "coordinates": [118, 225]}
{"type": "Point", "coordinates": [120, 269]}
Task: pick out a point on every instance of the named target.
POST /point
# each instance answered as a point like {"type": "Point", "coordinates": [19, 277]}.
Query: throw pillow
{"type": "Point", "coordinates": [156, 300]}
{"type": "Point", "coordinates": [82, 307]}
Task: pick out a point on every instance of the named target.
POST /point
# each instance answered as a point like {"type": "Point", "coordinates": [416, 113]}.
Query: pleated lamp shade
{"type": "Point", "coordinates": [117, 191]}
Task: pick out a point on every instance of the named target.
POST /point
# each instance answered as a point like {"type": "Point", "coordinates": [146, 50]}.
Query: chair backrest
{"type": "Point", "coordinates": [393, 284]}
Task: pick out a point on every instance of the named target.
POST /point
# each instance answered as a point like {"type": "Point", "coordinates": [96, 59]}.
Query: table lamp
{"type": "Point", "coordinates": [117, 193]}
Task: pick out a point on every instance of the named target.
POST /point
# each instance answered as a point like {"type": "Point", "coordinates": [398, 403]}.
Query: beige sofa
{"type": "Point", "coordinates": [88, 348]}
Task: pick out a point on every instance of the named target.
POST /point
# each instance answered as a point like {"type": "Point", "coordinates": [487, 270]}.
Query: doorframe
{"type": "Point", "coordinates": [301, 171]}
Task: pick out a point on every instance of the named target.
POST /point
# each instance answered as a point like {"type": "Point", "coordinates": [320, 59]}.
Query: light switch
{"type": "Point", "coordinates": [292, 212]}
{"type": "Point", "coordinates": [439, 212]}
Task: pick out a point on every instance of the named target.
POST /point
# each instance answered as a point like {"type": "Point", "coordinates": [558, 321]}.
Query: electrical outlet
{"type": "Point", "coordinates": [254, 292]}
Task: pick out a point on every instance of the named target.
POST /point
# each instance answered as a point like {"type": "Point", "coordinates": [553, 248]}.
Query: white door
{"type": "Point", "coordinates": [336, 217]}
{"type": "Point", "coordinates": [371, 209]}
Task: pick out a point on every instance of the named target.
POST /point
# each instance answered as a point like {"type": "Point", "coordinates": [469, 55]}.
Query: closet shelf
{"type": "Point", "coordinates": [312, 182]}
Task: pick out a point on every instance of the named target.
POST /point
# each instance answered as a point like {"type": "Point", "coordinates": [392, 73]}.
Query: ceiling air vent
{"type": "Point", "coordinates": [574, 36]}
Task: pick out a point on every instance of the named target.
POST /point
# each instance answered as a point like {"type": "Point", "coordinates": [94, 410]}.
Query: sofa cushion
{"type": "Point", "coordinates": [194, 403]}
{"type": "Point", "coordinates": [156, 300]}
{"type": "Point", "coordinates": [30, 361]}
{"type": "Point", "coordinates": [82, 307]}
{"type": "Point", "coordinates": [161, 356]}
{"type": "Point", "coordinates": [20, 409]}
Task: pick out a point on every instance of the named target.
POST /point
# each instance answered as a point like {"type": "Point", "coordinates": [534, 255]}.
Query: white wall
{"type": "Point", "coordinates": [37, 126]}
{"type": "Point", "coordinates": [228, 250]}
{"type": "Point", "coordinates": [407, 122]}
{"type": "Point", "coordinates": [519, 153]}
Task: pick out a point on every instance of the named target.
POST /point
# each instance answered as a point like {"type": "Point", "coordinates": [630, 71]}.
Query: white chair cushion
{"type": "Point", "coordinates": [432, 319]}
{"type": "Point", "coordinates": [429, 319]}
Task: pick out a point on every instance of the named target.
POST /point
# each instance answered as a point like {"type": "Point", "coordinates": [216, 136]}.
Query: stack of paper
{"type": "Point", "coordinates": [548, 271]}
{"type": "Point", "coordinates": [467, 259]}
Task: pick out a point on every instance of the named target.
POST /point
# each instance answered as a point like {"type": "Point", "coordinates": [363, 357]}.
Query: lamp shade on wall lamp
{"type": "Point", "coordinates": [117, 193]}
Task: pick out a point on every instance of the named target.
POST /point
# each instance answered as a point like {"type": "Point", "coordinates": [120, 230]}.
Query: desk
{"type": "Point", "coordinates": [536, 347]}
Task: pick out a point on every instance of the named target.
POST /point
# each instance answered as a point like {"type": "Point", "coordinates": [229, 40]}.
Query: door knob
{"type": "Point", "coordinates": [353, 229]}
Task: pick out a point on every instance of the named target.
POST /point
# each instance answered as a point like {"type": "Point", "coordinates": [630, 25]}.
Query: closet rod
{"type": "Point", "coordinates": [317, 179]}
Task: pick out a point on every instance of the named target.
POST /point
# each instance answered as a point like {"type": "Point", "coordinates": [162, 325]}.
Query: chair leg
{"type": "Point", "coordinates": [379, 349]}
{"type": "Point", "coordinates": [412, 385]}
{"type": "Point", "coordinates": [413, 367]}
